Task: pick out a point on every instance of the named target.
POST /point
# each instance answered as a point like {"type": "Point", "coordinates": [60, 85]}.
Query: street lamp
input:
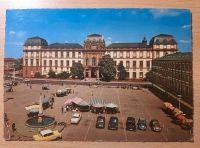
{"type": "Point", "coordinates": [179, 102]}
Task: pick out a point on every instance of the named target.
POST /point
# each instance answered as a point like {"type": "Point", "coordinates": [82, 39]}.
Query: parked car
{"type": "Point", "coordinates": [8, 88]}
{"type": "Point", "coordinates": [61, 93]}
{"type": "Point", "coordinates": [76, 117]}
{"type": "Point", "coordinates": [113, 123]}
{"type": "Point", "coordinates": [47, 135]}
{"type": "Point", "coordinates": [130, 124]}
{"type": "Point", "coordinates": [155, 125]}
{"type": "Point", "coordinates": [100, 122]}
{"type": "Point", "coordinates": [142, 124]}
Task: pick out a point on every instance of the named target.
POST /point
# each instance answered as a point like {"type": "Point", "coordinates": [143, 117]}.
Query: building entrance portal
{"type": "Point", "coordinates": [93, 73]}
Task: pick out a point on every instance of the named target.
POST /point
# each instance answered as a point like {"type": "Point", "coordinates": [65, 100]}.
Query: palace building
{"type": "Point", "coordinates": [39, 56]}
{"type": "Point", "coordinates": [173, 73]}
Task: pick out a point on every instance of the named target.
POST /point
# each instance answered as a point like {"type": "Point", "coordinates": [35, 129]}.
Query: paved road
{"type": "Point", "coordinates": [136, 103]}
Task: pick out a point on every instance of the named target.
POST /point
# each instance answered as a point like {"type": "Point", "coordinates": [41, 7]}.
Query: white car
{"type": "Point", "coordinates": [76, 117]}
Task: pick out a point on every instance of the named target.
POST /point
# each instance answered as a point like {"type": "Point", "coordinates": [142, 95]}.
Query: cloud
{"type": "Point", "coordinates": [186, 26]}
{"type": "Point", "coordinates": [184, 41]}
{"type": "Point", "coordinates": [11, 32]}
{"type": "Point", "coordinates": [18, 34]}
{"type": "Point", "coordinates": [108, 40]}
{"type": "Point", "coordinates": [158, 13]}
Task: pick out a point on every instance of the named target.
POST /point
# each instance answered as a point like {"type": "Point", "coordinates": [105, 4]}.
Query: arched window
{"type": "Point", "coordinates": [93, 61]}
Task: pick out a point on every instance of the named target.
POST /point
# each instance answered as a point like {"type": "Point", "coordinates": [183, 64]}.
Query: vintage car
{"type": "Point", "coordinates": [76, 117]}
{"type": "Point", "coordinates": [142, 124]}
{"type": "Point", "coordinates": [155, 125]}
{"type": "Point", "coordinates": [8, 88]}
{"type": "Point", "coordinates": [100, 123]}
{"type": "Point", "coordinates": [113, 123]}
{"type": "Point", "coordinates": [47, 135]}
{"type": "Point", "coordinates": [130, 124]}
{"type": "Point", "coordinates": [61, 92]}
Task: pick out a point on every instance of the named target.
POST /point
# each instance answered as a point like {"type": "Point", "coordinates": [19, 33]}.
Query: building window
{"type": "Point", "coordinates": [157, 54]}
{"type": "Point", "coordinates": [31, 62]}
{"type": "Point", "coordinates": [26, 62]}
{"type": "Point", "coordinates": [86, 62]}
{"type": "Point", "coordinates": [121, 54]}
{"type": "Point", "coordinates": [134, 54]}
{"type": "Point", "coordinates": [50, 63]}
{"type": "Point", "coordinates": [73, 54]}
{"type": "Point", "coordinates": [121, 62]}
{"type": "Point", "coordinates": [37, 62]}
{"type": "Point", "coordinates": [61, 54]}
{"type": "Point", "coordinates": [141, 54]}
{"type": "Point", "coordinates": [67, 62]}
{"type": "Point", "coordinates": [32, 54]}
{"type": "Point", "coordinates": [165, 46]}
{"type": "Point", "coordinates": [141, 64]}
{"type": "Point", "coordinates": [45, 63]}
{"type": "Point", "coordinates": [127, 64]}
{"type": "Point", "coordinates": [148, 64]}
{"type": "Point", "coordinates": [115, 54]}
{"type": "Point", "coordinates": [61, 63]}
{"type": "Point", "coordinates": [127, 54]}
{"type": "Point", "coordinates": [94, 61]}
{"type": "Point", "coordinates": [148, 54]}
{"type": "Point", "coordinates": [45, 54]}
{"type": "Point", "coordinates": [79, 54]}
{"type": "Point", "coordinates": [134, 75]}
{"type": "Point", "coordinates": [56, 63]}
{"type": "Point", "coordinates": [79, 61]}
{"type": "Point", "coordinates": [50, 54]}
{"type": "Point", "coordinates": [73, 62]}
{"type": "Point", "coordinates": [134, 64]}
{"type": "Point", "coordinates": [56, 54]}
{"type": "Point", "coordinates": [141, 74]}
{"type": "Point", "coordinates": [37, 54]}
{"type": "Point", "coordinates": [67, 54]}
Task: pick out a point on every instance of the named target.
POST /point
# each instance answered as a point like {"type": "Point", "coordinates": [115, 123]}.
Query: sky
{"type": "Point", "coordinates": [115, 25]}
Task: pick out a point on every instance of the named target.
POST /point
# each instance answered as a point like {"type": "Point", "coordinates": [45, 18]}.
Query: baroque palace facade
{"type": "Point", "coordinates": [137, 58]}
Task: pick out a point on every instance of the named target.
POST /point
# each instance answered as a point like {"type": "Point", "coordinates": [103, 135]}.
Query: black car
{"type": "Point", "coordinates": [155, 125]}
{"type": "Point", "coordinates": [142, 124]}
{"type": "Point", "coordinates": [130, 124]}
{"type": "Point", "coordinates": [113, 123]}
{"type": "Point", "coordinates": [100, 122]}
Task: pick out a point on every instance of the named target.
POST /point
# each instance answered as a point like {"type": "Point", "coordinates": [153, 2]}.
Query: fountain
{"type": "Point", "coordinates": [41, 120]}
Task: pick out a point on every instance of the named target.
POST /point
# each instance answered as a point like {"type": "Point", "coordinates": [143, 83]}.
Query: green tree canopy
{"type": "Point", "coordinates": [63, 75]}
{"type": "Point", "coordinates": [121, 71]}
{"type": "Point", "coordinates": [52, 74]}
{"type": "Point", "coordinates": [77, 70]}
{"type": "Point", "coordinates": [18, 64]}
{"type": "Point", "coordinates": [107, 68]}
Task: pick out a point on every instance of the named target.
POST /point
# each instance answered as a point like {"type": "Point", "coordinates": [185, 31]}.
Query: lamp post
{"type": "Point", "coordinates": [179, 102]}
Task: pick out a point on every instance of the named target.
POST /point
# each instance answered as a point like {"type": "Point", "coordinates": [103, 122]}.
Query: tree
{"type": "Point", "coordinates": [107, 68]}
{"type": "Point", "coordinates": [52, 74]}
{"type": "Point", "coordinates": [63, 75]}
{"type": "Point", "coordinates": [121, 71]}
{"type": "Point", "coordinates": [18, 64]}
{"type": "Point", "coordinates": [77, 70]}
{"type": "Point", "coordinates": [38, 75]}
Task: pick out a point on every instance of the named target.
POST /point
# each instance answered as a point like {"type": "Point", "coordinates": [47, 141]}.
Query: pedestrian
{"type": "Point", "coordinates": [13, 127]}
{"type": "Point", "coordinates": [30, 86]}
{"type": "Point", "coordinates": [53, 99]}
{"type": "Point", "coordinates": [67, 108]}
{"type": "Point", "coordinates": [62, 109]}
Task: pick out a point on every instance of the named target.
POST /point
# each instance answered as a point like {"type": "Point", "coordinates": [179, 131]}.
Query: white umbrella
{"type": "Point", "coordinates": [111, 105]}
